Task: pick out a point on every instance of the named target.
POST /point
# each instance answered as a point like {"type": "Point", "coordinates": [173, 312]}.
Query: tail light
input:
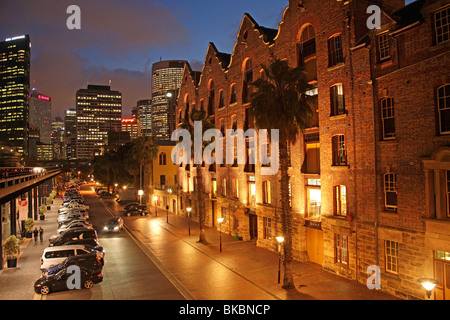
{"type": "Point", "coordinates": [42, 261]}
{"type": "Point", "coordinates": [100, 275]}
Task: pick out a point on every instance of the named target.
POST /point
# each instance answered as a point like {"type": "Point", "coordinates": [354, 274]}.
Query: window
{"type": "Point", "coordinates": [267, 197]}
{"type": "Point", "coordinates": [340, 200]}
{"type": "Point", "coordinates": [391, 256]}
{"type": "Point", "coordinates": [248, 79]}
{"type": "Point", "coordinates": [335, 55]}
{"type": "Point", "coordinates": [233, 94]}
{"type": "Point", "coordinates": [211, 98]}
{"type": "Point", "coordinates": [444, 109]}
{"type": "Point", "coordinates": [337, 101]}
{"type": "Point", "coordinates": [222, 127]}
{"type": "Point", "coordinates": [162, 180]}
{"type": "Point", "coordinates": [221, 99]}
{"type": "Point", "coordinates": [234, 122]}
{"type": "Point", "coordinates": [387, 118]}
{"type": "Point", "coordinates": [390, 191]}
{"type": "Point", "coordinates": [307, 46]}
{"type": "Point", "coordinates": [235, 188]}
{"type": "Point", "coordinates": [383, 47]}
{"type": "Point", "coordinates": [224, 214]}
{"type": "Point", "coordinates": [224, 187]}
{"type": "Point", "coordinates": [213, 188]}
{"type": "Point", "coordinates": [341, 249]}
{"type": "Point", "coordinates": [267, 228]}
{"type": "Point", "coordinates": [339, 151]}
{"type": "Point", "coordinates": [162, 159]}
{"type": "Point", "coordinates": [447, 174]}
{"type": "Point", "coordinates": [442, 25]}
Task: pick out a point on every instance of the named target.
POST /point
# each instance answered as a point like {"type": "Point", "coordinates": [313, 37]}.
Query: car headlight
{"type": "Point", "coordinates": [105, 228]}
{"type": "Point", "coordinates": [116, 228]}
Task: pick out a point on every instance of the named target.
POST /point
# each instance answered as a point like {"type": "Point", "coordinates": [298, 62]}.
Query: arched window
{"type": "Point", "coordinates": [186, 109]}
{"type": "Point", "coordinates": [211, 99]}
{"type": "Point", "coordinates": [233, 95]}
{"type": "Point", "coordinates": [162, 159]}
{"type": "Point", "coordinates": [248, 79]}
{"type": "Point", "coordinates": [307, 45]}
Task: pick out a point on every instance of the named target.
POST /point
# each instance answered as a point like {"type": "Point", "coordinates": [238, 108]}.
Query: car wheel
{"type": "Point", "coordinates": [45, 290]}
{"type": "Point", "coordinates": [88, 284]}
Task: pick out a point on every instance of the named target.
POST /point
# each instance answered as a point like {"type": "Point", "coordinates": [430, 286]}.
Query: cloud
{"type": "Point", "coordinates": [114, 36]}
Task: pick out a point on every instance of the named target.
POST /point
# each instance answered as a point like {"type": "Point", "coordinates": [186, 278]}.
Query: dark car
{"type": "Point", "coordinates": [130, 205]}
{"type": "Point", "coordinates": [89, 261]}
{"type": "Point", "coordinates": [107, 195]}
{"type": "Point", "coordinates": [137, 211]}
{"type": "Point", "coordinates": [59, 281]}
{"type": "Point", "coordinates": [114, 225]}
{"type": "Point", "coordinates": [73, 236]}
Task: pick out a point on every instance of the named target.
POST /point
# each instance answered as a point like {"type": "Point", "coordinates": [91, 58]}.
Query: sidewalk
{"type": "Point", "coordinates": [17, 283]}
{"type": "Point", "coordinates": [242, 271]}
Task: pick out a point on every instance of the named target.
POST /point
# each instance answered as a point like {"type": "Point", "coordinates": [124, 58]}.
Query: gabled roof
{"type": "Point", "coordinates": [267, 33]}
{"type": "Point", "coordinates": [224, 58]}
{"type": "Point", "coordinates": [409, 14]}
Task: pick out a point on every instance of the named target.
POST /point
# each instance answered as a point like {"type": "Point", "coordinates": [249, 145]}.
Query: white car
{"type": "Point", "coordinates": [72, 216]}
{"type": "Point", "coordinates": [75, 224]}
{"type": "Point", "coordinates": [75, 205]}
{"type": "Point", "coordinates": [55, 255]}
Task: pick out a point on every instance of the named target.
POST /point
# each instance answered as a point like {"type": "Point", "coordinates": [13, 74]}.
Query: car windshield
{"type": "Point", "coordinates": [63, 263]}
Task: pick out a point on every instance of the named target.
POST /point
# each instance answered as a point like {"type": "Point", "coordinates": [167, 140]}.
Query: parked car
{"type": "Point", "coordinates": [131, 204]}
{"type": "Point", "coordinates": [58, 281]}
{"type": "Point", "coordinates": [55, 255]}
{"type": "Point", "coordinates": [137, 211]}
{"type": "Point", "coordinates": [89, 261]}
{"type": "Point", "coordinates": [74, 225]}
{"type": "Point", "coordinates": [71, 216]}
{"type": "Point", "coordinates": [114, 225]}
{"type": "Point", "coordinates": [107, 195]}
{"type": "Point", "coordinates": [72, 235]}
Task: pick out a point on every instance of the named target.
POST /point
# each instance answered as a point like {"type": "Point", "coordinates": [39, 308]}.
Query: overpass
{"type": "Point", "coordinates": [32, 185]}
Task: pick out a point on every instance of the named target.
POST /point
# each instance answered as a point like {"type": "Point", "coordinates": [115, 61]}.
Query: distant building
{"type": "Point", "coordinates": [70, 134]}
{"type": "Point", "coordinates": [58, 138]}
{"type": "Point", "coordinates": [41, 115]}
{"type": "Point", "coordinates": [144, 114]}
{"type": "Point", "coordinates": [132, 126]}
{"type": "Point", "coordinates": [44, 151]}
{"type": "Point", "coordinates": [99, 111]}
{"type": "Point", "coordinates": [14, 92]}
{"type": "Point", "coordinates": [166, 79]}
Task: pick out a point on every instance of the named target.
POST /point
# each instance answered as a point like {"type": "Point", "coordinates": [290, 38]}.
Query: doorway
{"type": "Point", "coordinates": [442, 274]}
{"type": "Point", "coordinates": [253, 219]}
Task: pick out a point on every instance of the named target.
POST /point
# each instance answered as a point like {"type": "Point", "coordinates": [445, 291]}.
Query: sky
{"type": "Point", "coordinates": [120, 40]}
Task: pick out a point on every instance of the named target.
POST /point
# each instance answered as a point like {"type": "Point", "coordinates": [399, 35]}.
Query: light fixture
{"type": "Point", "coordinates": [280, 241]}
{"type": "Point", "coordinates": [428, 284]}
{"type": "Point", "coordinates": [220, 233]}
{"type": "Point", "coordinates": [188, 209]}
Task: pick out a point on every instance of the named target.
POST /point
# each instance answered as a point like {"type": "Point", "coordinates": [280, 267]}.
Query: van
{"type": "Point", "coordinates": [72, 236]}
{"type": "Point", "coordinates": [55, 255]}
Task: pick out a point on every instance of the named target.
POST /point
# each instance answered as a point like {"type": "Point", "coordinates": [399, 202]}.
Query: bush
{"type": "Point", "coordinates": [29, 224]}
{"type": "Point", "coordinates": [42, 209]}
{"type": "Point", "coordinates": [11, 247]}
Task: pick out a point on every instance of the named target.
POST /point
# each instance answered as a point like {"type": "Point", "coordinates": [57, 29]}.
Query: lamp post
{"type": "Point", "coordinates": [220, 220]}
{"type": "Point", "coordinates": [280, 241]}
{"type": "Point", "coordinates": [115, 188]}
{"type": "Point", "coordinates": [140, 193]}
{"type": "Point", "coordinates": [428, 284]}
{"type": "Point", "coordinates": [167, 213]}
{"type": "Point", "coordinates": [188, 209]}
{"type": "Point", "coordinates": [156, 212]}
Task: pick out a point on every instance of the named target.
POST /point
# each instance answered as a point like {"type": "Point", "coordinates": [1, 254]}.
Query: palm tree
{"type": "Point", "coordinates": [207, 123]}
{"type": "Point", "coordinates": [144, 150]}
{"type": "Point", "coordinates": [279, 102]}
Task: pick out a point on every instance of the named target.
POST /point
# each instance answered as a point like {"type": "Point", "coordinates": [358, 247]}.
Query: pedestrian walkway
{"type": "Point", "coordinates": [17, 283]}
{"type": "Point", "coordinates": [242, 271]}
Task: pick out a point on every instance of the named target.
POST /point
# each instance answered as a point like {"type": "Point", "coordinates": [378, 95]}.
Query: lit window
{"type": "Point", "coordinates": [383, 47]}
{"type": "Point", "coordinates": [340, 200]}
{"type": "Point", "coordinates": [341, 249]}
{"type": "Point", "coordinates": [335, 55]}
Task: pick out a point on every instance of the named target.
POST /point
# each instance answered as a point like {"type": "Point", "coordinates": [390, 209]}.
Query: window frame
{"type": "Point", "coordinates": [337, 149]}
{"type": "Point", "coordinates": [341, 249]}
{"type": "Point", "coordinates": [267, 192]}
{"type": "Point", "coordinates": [340, 200]}
{"type": "Point", "coordinates": [387, 114]}
{"type": "Point", "coordinates": [337, 100]}
{"type": "Point", "coordinates": [391, 256]}
{"type": "Point", "coordinates": [383, 47]}
{"type": "Point", "coordinates": [335, 51]}
{"type": "Point", "coordinates": [446, 106]}
{"type": "Point", "coordinates": [390, 185]}
{"type": "Point", "coordinates": [436, 28]}
{"type": "Point", "coordinates": [267, 228]}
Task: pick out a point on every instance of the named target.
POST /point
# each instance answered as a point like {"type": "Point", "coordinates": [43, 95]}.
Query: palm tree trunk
{"type": "Point", "coordinates": [286, 216]}
{"type": "Point", "coordinates": [201, 205]}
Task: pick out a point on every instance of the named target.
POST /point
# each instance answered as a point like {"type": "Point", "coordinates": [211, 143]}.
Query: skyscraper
{"type": "Point", "coordinates": [144, 114]}
{"type": "Point", "coordinates": [166, 79]}
{"type": "Point", "coordinates": [40, 107]}
{"type": "Point", "coordinates": [70, 134]}
{"type": "Point", "coordinates": [99, 111]}
{"type": "Point", "coordinates": [14, 92]}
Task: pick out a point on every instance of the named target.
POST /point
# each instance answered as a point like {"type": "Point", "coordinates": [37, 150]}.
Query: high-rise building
{"type": "Point", "coordinates": [70, 134]}
{"type": "Point", "coordinates": [99, 111]}
{"type": "Point", "coordinates": [144, 115]}
{"type": "Point", "coordinates": [166, 78]}
{"type": "Point", "coordinates": [14, 92]}
{"type": "Point", "coordinates": [40, 107]}
{"type": "Point", "coordinates": [131, 125]}
{"type": "Point", "coordinates": [58, 138]}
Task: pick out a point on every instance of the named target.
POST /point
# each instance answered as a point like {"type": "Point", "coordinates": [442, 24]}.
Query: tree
{"type": "Point", "coordinates": [279, 102]}
{"type": "Point", "coordinates": [207, 123]}
{"type": "Point", "coordinates": [144, 150]}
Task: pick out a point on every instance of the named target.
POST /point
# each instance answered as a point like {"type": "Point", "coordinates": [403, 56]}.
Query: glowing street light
{"type": "Point", "coordinates": [188, 209]}
{"type": "Point", "coordinates": [428, 284]}
{"type": "Point", "coordinates": [140, 193]}
{"type": "Point", "coordinates": [220, 220]}
{"type": "Point", "coordinates": [280, 241]}
{"type": "Point", "coordinates": [156, 208]}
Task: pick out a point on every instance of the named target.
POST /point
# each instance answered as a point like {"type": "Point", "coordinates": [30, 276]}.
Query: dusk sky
{"type": "Point", "coordinates": [120, 40]}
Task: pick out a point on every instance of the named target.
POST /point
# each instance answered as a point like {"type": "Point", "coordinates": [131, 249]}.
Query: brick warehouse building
{"type": "Point", "coordinates": [370, 179]}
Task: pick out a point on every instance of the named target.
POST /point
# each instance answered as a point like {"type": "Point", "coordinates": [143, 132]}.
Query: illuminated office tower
{"type": "Point", "coordinates": [132, 126]}
{"type": "Point", "coordinates": [166, 79]}
{"type": "Point", "coordinates": [144, 116]}
{"type": "Point", "coordinates": [14, 92]}
{"type": "Point", "coordinates": [99, 111]}
{"type": "Point", "coordinates": [70, 134]}
{"type": "Point", "coordinates": [40, 107]}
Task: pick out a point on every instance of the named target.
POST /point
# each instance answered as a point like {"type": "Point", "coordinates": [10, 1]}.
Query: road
{"type": "Point", "coordinates": [129, 271]}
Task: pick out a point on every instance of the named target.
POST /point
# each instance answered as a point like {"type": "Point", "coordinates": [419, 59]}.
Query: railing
{"type": "Point", "coordinates": [13, 176]}
{"type": "Point", "coordinates": [167, 188]}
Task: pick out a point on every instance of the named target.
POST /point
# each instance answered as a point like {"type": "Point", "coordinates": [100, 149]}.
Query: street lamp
{"type": "Point", "coordinates": [156, 209]}
{"type": "Point", "coordinates": [188, 209]}
{"type": "Point", "coordinates": [140, 193]}
{"type": "Point", "coordinates": [428, 284]}
{"type": "Point", "coordinates": [115, 187]}
{"type": "Point", "coordinates": [167, 212]}
{"type": "Point", "coordinates": [220, 220]}
{"type": "Point", "coordinates": [280, 241]}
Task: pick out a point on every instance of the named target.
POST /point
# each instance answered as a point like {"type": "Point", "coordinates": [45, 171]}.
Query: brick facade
{"type": "Point", "coordinates": [391, 171]}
